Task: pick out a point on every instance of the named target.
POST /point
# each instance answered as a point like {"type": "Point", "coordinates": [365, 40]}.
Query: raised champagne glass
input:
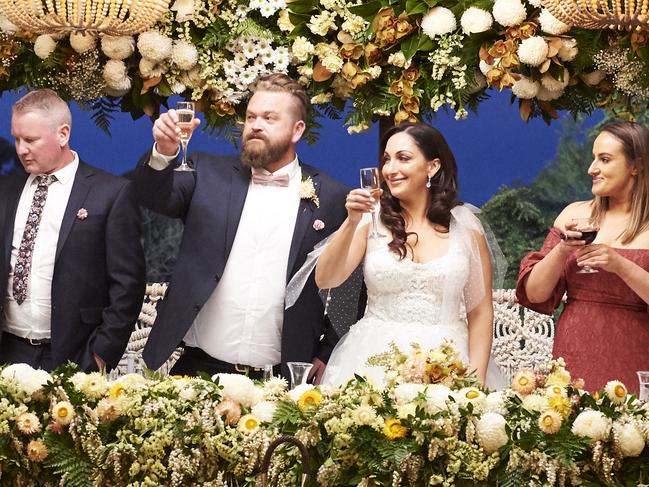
{"type": "Point", "coordinates": [185, 112]}
{"type": "Point", "coordinates": [588, 228]}
{"type": "Point", "coordinates": [370, 181]}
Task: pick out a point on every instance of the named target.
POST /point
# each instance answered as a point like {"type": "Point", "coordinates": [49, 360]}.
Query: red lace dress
{"type": "Point", "coordinates": [603, 331]}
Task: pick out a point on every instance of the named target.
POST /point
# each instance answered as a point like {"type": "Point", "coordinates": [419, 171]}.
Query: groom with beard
{"type": "Point", "coordinates": [250, 222]}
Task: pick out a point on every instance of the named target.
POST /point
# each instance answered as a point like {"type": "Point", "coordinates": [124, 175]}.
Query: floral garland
{"type": "Point", "coordinates": [431, 425]}
{"type": "Point", "coordinates": [402, 59]}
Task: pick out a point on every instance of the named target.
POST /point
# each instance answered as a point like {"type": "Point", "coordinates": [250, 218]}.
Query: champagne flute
{"type": "Point", "coordinates": [185, 112]}
{"type": "Point", "coordinates": [370, 181]}
{"type": "Point", "coordinates": [588, 229]}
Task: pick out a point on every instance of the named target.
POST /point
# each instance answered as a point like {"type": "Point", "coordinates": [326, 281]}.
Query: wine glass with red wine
{"type": "Point", "coordinates": [588, 228]}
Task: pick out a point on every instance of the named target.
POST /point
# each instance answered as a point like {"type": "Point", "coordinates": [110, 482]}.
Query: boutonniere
{"type": "Point", "coordinates": [318, 225]}
{"type": "Point", "coordinates": [82, 214]}
{"type": "Point", "coordinates": [307, 191]}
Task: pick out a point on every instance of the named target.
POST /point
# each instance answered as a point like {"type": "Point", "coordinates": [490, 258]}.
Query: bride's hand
{"type": "Point", "coordinates": [360, 201]}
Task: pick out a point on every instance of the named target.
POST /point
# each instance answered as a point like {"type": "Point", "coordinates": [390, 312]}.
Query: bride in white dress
{"type": "Point", "coordinates": [429, 279]}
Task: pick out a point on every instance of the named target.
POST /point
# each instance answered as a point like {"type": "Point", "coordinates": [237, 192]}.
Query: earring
{"type": "Point", "coordinates": [428, 184]}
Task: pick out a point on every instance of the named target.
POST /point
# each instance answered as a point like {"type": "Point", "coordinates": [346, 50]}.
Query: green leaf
{"type": "Point", "coordinates": [65, 459]}
{"type": "Point", "coordinates": [416, 7]}
{"type": "Point", "coordinates": [414, 43]}
{"type": "Point", "coordinates": [367, 10]}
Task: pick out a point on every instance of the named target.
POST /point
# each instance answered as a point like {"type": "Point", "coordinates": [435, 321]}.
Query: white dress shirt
{"type": "Point", "coordinates": [31, 319]}
{"type": "Point", "coordinates": [241, 322]}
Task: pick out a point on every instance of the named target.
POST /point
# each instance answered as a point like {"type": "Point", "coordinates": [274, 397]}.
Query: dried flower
{"type": "Point", "coordinates": [28, 423]}
{"type": "Point", "coordinates": [36, 451]}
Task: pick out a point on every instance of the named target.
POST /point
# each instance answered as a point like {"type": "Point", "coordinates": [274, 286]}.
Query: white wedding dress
{"type": "Point", "coordinates": [408, 302]}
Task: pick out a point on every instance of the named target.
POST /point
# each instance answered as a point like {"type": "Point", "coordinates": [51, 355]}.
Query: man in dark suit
{"type": "Point", "coordinates": [249, 224]}
{"type": "Point", "coordinates": [71, 263]}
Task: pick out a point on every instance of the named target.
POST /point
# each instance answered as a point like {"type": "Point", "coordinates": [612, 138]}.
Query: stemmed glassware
{"type": "Point", "coordinates": [185, 112]}
{"type": "Point", "coordinates": [588, 228]}
{"type": "Point", "coordinates": [370, 181]}
{"type": "Point", "coordinates": [299, 372]}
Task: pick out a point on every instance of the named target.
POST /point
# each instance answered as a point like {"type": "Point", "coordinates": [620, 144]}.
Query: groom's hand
{"type": "Point", "coordinates": [317, 371]}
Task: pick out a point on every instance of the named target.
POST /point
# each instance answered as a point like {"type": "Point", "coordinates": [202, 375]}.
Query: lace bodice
{"type": "Point", "coordinates": [403, 291]}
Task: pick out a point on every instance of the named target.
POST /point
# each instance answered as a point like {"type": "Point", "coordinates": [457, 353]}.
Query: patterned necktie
{"type": "Point", "coordinates": [270, 179]}
{"type": "Point", "coordinates": [24, 262]}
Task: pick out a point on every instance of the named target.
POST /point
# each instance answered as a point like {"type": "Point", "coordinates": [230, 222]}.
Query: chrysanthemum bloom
{"type": "Point", "coordinates": [592, 424]}
{"type": "Point", "coordinates": [616, 391]}
{"type": "Point", "coordinates": [248, 423]}
{"type": "Point", "coordinates": [560, 404]}
{"type": "Point", "coordinates": [524, 382]}
{"type": "Point", "coordinates": [491, 432]}
{"type": "Point", "coordinates": [509, 12]}
{"type": "Point", "coordinates": [118, 48]}
{"type": "Point", "coordinates": [525, 88]}
{"type": "Point", "coordinates": [546, 95]}
{"type": "Point", "coordinates": [309, 399]}
{"type": "Point", "coordinates": [62, 413]}
{"type": "Point", "coordinates": [44, 46]}
{"type": "Point", "coordinates": [108, 411]}
{"type": "Point", "coordinates": [550, 422]}
{"type": "Point", "coordinates": [82, 42]}
{"type": "Point", "coordinates": [28, 423]}
{"type": "Point", "coordinates": [593, 78]}
{"type": "Point", "coordinates": [438, 21]}
{"type": "Point", "coordinates": [533, 52]}
{"type": "Point", "coordinates": [475, 20]}
{"type": "Point", "coordinates": [392, 429]}
{"type": "Point", "coordinates": [36, 451]}
{"type": "Point", "coordinates": [630, 438]}
{"type": "Point", "coordinates": [116, 390]}
{"type": "Point", "coordinates": [551, 24]}
{"type": "Point", "coordinates": [264, 410]}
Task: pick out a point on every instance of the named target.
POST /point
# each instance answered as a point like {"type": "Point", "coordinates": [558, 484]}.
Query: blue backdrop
{"type": "Point", "coordinates": [492, 148]}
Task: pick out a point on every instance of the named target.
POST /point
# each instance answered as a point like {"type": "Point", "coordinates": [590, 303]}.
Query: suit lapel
{"type": "Point", "coordinates": [238, 193]}
{"type": "Point", "coordinates": [304, 217]}
{"type": "Point", "coordinates": [80, 189]}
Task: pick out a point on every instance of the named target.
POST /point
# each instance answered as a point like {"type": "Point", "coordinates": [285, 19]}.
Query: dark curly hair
{"type": "Point", "coordinates": [442, 194]}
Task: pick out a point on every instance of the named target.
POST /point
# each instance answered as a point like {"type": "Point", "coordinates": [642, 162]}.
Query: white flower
{"type": "Point", "coordinates": [397, 59]}
{"type": "Point", "coordinates": [551, 24]}
{"type": "Point", "coordinates": [374, 71]}
{"type": "Point", "coordinates": [550, 83]}
{"type": "Point", "coordinates": [239, 388]}
{"type": "Point", "coordinates": [151, 69]}
{"type": "Point", "coordinates": [408, 392]}
{"type": "Point", "coordinates": [248, 423]}
{"type": "Point", "coordinates": [154, 46]}
{"type": "Point", "coordinates": [495, 402]}
{"type": "Point", "coordinates": [471, 395]}
{"type": "Point", "coordinates": [297, 392]}
{"type": "Point", "coordinates": [594, 77]}
{"type": "Point", "coordinates": [26, 378]}
{"type": "Point", "coordinates": [438, 21]}
{"type": "Point", "coordinates": [491, 432]}
{"type": "Point", "coordinates": [184, 55]}
{"type": "Point", "coordinates": [535, 3]}
{"type": "Point", "coordinates": [533, 51]}
{"type": "Point", "coordinates": [437, 396]}
{"type": "Point", "coordinates": [302, 49]}
{"type": "Point", "coordinates": [187, 393]}
{"type": "Point", "coordinates": [630, 438]}
{"type": "Point", "coordinates": [525, 88]}
{"type": "Point", "coordinates": [116, 75]}
{"type": "Point", "coordinates": [7, 26]}
{"type": "Point", "coordinates": [358, 128]}
{"type": "Point", "coordinates": [509, 12]}
{"type": "Point", "coordinates": [94, 386]}
{"type": "Point", "coordinates": [592, 424]}
{"type": "Point", "coordinates": [547, 95]}
{"type": "Point", "coordinates": [364, 415]}
{"type": "Point", "coordinates": [117, 47]}
{"type": "Point", "coordinates": [44, 46]}
{"type": "Point", "coordinates": [274, 386]}
{"type": "Point", "coordinates": [284, 21]}
{"type": "Point", "coordinates": [568, 50]}
{"type": "Point", "coordinates": [184, 9]}
{"type": "Point", "coordinates": [62, 413]}
{"type": "Point", "coordinates": [616, 391]}
{"type": "Point", "coordinates": [264, 410]}
{"type": "Point", "coordinates": [485, 67]}
{"type": "Point", "coordinates": [82, 42]}
{"type": "Point", "coordinates": [406, 410]}
{"type": "Point", "coordinates": [535, 402]}
{"type": "Point", "coordinates": [178, 88]}
{"type": "Point", "coordinates": [475, 20]}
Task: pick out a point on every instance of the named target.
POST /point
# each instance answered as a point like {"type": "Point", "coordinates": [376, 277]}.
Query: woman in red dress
{"type": "Point", "coordinates": [603, 331]}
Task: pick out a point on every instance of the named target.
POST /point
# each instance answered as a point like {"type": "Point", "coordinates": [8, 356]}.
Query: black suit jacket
{"type": "Point", "coordinates": [98, 281]}
{"type": "Point", "coordinates": [210, 202]}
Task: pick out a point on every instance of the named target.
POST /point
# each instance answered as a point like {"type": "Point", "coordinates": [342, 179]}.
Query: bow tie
{"type": "Point", "coordinates": [270, 179]}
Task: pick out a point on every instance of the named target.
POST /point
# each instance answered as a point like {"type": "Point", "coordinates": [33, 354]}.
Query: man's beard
{"type": "Point", "coordinates": [262, 154]}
